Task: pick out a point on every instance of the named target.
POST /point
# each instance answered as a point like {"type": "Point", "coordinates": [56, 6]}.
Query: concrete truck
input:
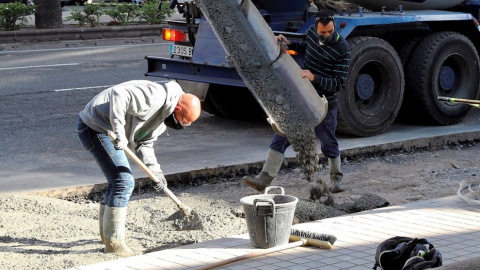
{"type": "Point", "coordinates": [405, 54]}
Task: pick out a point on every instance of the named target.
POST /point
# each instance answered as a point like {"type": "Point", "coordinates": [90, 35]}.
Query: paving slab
{"type": "Point", "coordinates": [449, 223]}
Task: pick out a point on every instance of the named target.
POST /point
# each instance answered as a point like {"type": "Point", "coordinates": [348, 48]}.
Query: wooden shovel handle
{"type": "Point", "coordinates": [255, 254]}
{"type": "Point", "coordinates": [459, 100]}
{"type": "Point", "coordinates": [148, 172]}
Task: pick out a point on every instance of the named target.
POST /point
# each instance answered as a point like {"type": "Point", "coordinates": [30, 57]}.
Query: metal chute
{"type": "Point", "coordinates": [273, 77]}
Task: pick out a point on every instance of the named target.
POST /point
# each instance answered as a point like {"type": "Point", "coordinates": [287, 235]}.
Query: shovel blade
{"type": "Point", "coordinates": [186, 220]}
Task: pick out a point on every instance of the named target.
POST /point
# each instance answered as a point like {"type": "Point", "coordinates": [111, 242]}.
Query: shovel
{"type": "Point", "coordinates": [185, 218]}
{"type": "Point", "coordinates": [474, 103]}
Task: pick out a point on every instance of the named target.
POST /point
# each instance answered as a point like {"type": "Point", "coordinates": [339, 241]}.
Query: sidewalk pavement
{"type": "Point", "coordinates": [79, 174]}
{"type": "Point", "coordinates": [450, 224]}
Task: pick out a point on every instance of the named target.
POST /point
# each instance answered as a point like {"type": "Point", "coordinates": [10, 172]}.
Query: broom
{"type": "Point", "coordinates": [474, 103]}
{"type": "Point", "coordinates": [299, 238]}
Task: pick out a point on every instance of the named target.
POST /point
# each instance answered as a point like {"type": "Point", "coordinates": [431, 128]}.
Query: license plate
{"type": "Point", "coordinates": [181, 50]}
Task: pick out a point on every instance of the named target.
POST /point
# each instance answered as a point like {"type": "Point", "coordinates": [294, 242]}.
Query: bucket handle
{"type": "Point", "coordinates": [269, 201]}
{"type": "Point", "coordinates": [267, 189]}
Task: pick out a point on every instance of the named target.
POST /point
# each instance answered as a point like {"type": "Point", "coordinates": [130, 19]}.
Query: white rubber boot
{"type": "Point", "coordinates": [269, 171]}
{"type": "Point", "coordinates": [100, 222]}
{"type": "Point", "coordinates": [336, 175]}
{"type": "Point", "coordinates": [114, 220]}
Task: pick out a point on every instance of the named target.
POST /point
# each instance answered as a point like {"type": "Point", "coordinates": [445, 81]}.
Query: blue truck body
{"type": "Point", "coordinates": [402, 79]}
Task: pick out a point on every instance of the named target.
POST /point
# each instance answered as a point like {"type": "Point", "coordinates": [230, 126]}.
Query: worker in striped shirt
{"type": "Point", "coordinates": [326, 65]}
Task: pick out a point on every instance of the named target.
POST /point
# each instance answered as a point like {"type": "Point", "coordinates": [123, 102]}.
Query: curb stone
{"type": "Point", "coordinates": [189, 177]}
{"type": "Point", "coordinates": [78, 36]}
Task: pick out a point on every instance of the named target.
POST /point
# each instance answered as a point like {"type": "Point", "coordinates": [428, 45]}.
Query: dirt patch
{"type": "Point", "coordinates": [47, 233]}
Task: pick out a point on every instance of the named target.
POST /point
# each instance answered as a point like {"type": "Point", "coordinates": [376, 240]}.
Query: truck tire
{"type": "Point", "coordinates": [444, 64]}
{"type": "Point", "coordinates": [375, 84]}
{"type": "Point", "coordinates": [232, 103]}
{"type": "Point", "coordinates": [405, 50]}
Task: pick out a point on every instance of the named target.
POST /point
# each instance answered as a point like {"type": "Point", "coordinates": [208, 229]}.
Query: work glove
{"type": "Point", "coordinates": [120, 142]}
{"type": "Point", "coordinates": [162, 182]}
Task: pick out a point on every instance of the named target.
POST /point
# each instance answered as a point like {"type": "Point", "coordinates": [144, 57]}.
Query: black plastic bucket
{"type": "Point", "coordinates": [269, 217]}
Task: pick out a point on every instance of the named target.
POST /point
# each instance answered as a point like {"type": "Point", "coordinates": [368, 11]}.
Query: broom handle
{"type": "Point", "coordinates": [459, 100]}
{"type": "Point", "coordinates": [148, 172]}
{"type": "Point", "coordinates": [255, 254]}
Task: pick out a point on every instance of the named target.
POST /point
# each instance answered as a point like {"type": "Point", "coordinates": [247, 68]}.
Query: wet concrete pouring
{"type": "Point", "coordinates": [291, 103]}
{"type": "Point", "coordinates": [50, 233]}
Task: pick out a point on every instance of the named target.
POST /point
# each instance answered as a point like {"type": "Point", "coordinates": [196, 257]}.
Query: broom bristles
{"type": "Point", "coordinates": [314, 235]}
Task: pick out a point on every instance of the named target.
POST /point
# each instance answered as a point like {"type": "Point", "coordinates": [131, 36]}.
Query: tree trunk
{"type": "Point", "coordinates": [48, 14]}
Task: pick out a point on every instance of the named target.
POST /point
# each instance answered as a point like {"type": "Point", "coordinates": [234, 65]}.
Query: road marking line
{"type": "Point", "coordinates": [58, 65]}
{"type": "Point", "coordinates": [81, 88]}
{"type": "Point", "coordinates": [91, 87]}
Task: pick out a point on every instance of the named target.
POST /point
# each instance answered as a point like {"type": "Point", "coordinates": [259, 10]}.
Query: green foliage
{"type": "Point", "coordinates": [13, 16]}
{"type": "Point", "coordinates": [90, 14]}
{"type": "Point", "coordinates": [122, 13]}
{"type": "Point", "coordinates": [152, 15]}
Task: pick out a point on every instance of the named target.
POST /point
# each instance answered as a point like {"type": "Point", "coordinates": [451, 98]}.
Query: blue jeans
{"type": "Point", "coordinates": [113, 162]}
{"type": "Point", "coordinates": [325, 132]}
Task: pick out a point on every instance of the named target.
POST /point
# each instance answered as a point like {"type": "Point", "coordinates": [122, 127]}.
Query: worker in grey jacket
{"type": "Point", "coordinates": [137, 112]}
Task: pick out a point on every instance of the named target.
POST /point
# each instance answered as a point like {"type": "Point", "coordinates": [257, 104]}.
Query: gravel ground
{"type": "Point", "coordinates": [50, 233]}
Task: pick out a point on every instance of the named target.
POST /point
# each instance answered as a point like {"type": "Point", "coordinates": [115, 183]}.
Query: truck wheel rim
{"type": "Point", "coordinates": [364, 86]}
{"type": "Point", "coordinates": [447, 78]}
{"type": "Point", "coordinates": [452, 76]}
{"type": "Point", "coordinates": [371, 80]}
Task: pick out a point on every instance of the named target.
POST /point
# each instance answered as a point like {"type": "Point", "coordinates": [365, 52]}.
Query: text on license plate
{"type": "Point", "coordinates": [181, 50]}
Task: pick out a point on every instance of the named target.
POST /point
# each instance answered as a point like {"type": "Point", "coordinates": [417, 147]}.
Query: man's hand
{"type": "Point", "coordinates": [162, 182]}
{"type": "Point", "coordinates": [307, 74]}
{"type": "Point", "coordinates": [120, 142]}
{"type": "Point", "coordinates": [280, 38]}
